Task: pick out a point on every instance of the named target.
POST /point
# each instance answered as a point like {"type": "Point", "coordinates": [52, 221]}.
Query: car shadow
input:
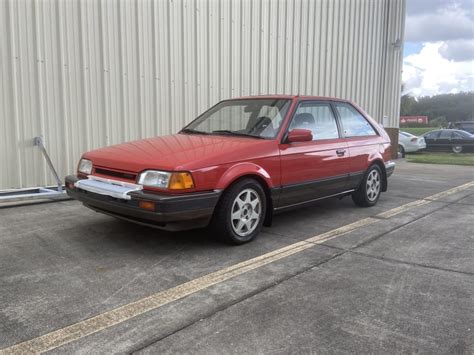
{"type": "Point", "coordinates": [105, 232]}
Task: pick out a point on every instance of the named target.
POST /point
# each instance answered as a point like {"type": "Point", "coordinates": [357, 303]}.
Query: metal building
{"type": "Point", "coordinates": [86, 74]}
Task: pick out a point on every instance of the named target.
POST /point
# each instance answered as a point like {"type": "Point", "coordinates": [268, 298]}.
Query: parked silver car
{"type": "Point", "coordinates": [409, 143]}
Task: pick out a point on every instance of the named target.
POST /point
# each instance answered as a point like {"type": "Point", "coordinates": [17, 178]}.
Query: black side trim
{"type": "Point", "coordinates": [311, 190]}
{"type": "Point", "coordinates": [297, 205]}
{"type": "Point", "coordinates": [355, 179]}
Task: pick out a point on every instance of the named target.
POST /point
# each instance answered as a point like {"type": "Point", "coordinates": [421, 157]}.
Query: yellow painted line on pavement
{"type": "Point", "coordinates": [451, 191]}
{"type": "Point", "coordinates": [318, 239]}
{"type": "Point", "coordinates": [403, 208]}
{"type": "Point", "coordinates": [123, 313]}
{"type": "Point", "coordinates": [425, 201]}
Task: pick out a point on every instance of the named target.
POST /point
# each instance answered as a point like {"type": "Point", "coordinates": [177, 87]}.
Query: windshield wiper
{"type": "Point", "coordinates": [233, 133]}
{"type": "Point", "coordinates": [192, 131]}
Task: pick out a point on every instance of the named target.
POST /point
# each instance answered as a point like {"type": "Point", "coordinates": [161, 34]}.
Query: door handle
{"type": "Point", "coordinates": [340, 152]}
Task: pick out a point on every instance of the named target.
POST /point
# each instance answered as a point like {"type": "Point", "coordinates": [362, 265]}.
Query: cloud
{"type": "Point", "coordinates": [448, 23]}
{"type": "Point", "coordinates": [430, 73]}
{"type": "Point", "coordinates": [416, 7]}
{"type": "Point", "coordinates": [458, 50]}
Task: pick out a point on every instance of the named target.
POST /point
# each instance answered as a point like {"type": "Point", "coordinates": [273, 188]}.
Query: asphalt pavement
{"type": "Point", "coordinates": [328, 278]}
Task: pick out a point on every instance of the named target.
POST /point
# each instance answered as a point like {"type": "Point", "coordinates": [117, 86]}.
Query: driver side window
{"type": "Point", "coordinates": [318, 118]}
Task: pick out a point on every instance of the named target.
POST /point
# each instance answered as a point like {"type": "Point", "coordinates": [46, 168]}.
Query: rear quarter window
{"type": "Point", "coordinates": [353, 123]}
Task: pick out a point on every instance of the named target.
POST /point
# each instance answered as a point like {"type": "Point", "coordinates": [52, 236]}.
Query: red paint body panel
{"type": "Point", "coordinates": [216, 161]}
{"type": "Point", "coordinates": [208, 158]}
{"type": "Point", "coordinates": [364, 151]}
{"type": "Point", "coordinates": [314, 160]}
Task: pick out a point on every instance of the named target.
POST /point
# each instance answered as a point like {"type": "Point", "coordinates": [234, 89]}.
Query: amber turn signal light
{"type": "Point", "coordinates": [147, 205]}
{"type": "Point", "coordinates": [181, 181]}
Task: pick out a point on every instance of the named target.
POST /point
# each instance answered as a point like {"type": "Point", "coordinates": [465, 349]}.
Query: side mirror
{"type": "Point", "coordinates": [299, 135]}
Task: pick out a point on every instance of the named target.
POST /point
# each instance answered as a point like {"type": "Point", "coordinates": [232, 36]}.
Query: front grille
{"type": "Point", "coordinates": [118, 174]}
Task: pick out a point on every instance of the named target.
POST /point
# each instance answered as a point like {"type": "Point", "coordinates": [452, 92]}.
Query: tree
{"type": "Point", "coordinates": [451, 107]}
{"type": "Point", "coordinates": [406, 105]}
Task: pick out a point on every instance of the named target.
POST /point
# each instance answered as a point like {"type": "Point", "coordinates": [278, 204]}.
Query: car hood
{"type": "Point", "coordinates": [177, 152]}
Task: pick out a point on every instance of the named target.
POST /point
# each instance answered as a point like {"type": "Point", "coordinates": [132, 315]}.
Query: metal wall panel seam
{"type": "Point", "coordinates": [16, 107]}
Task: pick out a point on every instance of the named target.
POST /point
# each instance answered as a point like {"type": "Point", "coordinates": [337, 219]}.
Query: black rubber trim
{"type": "Point", "coordinates": [355, 179]}
{"type": "Point", "coordinates": [309, 190]}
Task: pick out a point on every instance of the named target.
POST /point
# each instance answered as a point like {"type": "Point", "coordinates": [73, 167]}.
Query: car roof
{"type": "Point", "coordinates": [291, 97]}
{"type": "Point", "coordinates": [447, 129]}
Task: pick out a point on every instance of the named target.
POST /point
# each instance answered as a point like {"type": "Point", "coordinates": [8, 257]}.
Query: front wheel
{"type": "Point", "coordinates": [457, 148]}
{"type": "Point", "coordinates": [239, 216]}
{"type": "Point", "coordinates": [368, 192]}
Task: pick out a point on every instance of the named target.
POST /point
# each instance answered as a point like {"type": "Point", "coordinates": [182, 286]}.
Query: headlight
{"type": "Point", "coordinates": [85, 166]}
{"type": "Point", "coordinates": [155, 178]}
{"type": "Point", "coordinates": [166, 180]}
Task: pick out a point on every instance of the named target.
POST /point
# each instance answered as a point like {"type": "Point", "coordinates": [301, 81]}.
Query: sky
{"type": "Point", "coordinates": [438, 54]}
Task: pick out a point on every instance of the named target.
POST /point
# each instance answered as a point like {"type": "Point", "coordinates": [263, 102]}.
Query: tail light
{"type": "Point", "coordinates": [413, 140]}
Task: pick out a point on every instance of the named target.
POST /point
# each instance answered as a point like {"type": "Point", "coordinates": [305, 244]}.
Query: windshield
{"type": "Point", "coordinates": [259, 118]}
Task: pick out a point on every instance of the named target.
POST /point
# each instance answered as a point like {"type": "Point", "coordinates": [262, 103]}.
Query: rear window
{"type": "Point", "coordinates": [461, 134]}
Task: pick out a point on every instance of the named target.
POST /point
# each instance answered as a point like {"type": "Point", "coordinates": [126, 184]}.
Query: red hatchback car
{"type": "Point", "coordinates": [237, 164]}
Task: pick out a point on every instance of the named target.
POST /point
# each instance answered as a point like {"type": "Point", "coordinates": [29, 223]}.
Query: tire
{"type": "Point", "coordinates": [401, 150]}
{"type": "Point", "coordinates": [370, 188]}
{"type": "Point", "coordinates": [239, 215]}
{"type": "Point", "coordinates": [456, 149]}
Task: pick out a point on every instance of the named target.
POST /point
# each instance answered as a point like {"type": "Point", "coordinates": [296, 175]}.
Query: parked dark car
{"type": "Point", "coordinates": [467, 126]}
{"type": "Point", "coordinates": [455, 140]}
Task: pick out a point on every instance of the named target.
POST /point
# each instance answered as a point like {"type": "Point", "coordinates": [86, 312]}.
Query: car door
{"type": "Point", "coordinates": [431, 139]}
{"type": "Point", "coordinates": [463, 139]}
{"type": "Point", "coordinates": [443, 142]}
{"type": "Point", "coordinates": [318, 168]}
{"type": "Point", "coordinates": [362, 139]}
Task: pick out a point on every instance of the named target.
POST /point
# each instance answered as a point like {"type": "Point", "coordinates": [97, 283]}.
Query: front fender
{"type": "Point", "coordinates": [242, 169]}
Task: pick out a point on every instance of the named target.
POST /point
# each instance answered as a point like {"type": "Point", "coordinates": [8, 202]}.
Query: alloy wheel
{"type": "Point", "coordinates": [373, 185]}
{"type": "Point", "coordinates": [457, 149]}
{"type": "Point", "coordinates": [246, 212]}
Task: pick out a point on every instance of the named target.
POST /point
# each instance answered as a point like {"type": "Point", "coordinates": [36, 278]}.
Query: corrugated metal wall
{"type": "Point", "coordinates": [91, 73]}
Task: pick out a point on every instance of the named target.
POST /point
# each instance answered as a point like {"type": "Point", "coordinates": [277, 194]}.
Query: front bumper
{"type": "Point", "coordinates": [389, 167]}
{"type": "Point", "coordinates": [171, 212]}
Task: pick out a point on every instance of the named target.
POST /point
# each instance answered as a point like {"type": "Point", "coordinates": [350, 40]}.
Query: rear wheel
{"type": "Point", "coordinates": [457, 148]}
{"type": "Point", "coordinates": [369, 190]}
{"type": "Point", "coordinates": [401, 150]}
{"type": "Point", "coordinates": [239, 216]}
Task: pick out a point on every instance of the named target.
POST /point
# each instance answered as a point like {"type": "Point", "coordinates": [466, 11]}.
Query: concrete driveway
{"type": "Point", "coordinates": [329, 278]}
